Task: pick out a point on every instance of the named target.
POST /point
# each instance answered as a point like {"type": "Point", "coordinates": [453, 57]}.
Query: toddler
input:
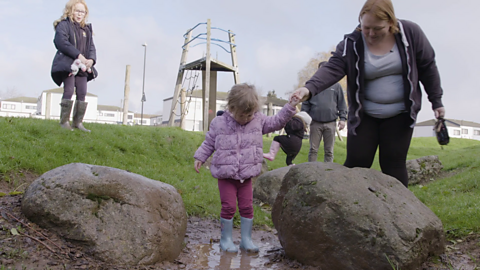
{"type": "Point", "coordinates": [292, 142]}
{"type": "Point", "coordinates": [236, 142]}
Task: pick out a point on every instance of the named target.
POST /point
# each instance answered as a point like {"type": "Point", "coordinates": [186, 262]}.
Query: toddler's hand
{"type": "Point", "coordinates": [197, 165]}
{"type": "Point", "coordinates": [294, 101]}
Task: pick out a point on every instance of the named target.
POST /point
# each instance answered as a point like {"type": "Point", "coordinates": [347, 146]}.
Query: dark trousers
{"type": "Point", "coordinates": [392, 136]}
{"type": "Point", "coordinates": [74, 82]}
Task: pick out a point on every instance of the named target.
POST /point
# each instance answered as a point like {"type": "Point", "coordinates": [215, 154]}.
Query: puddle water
{"type": "Point", "coordinates": [209, 256]}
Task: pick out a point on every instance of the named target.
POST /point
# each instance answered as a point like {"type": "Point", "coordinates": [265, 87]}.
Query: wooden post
{"type": "Point", "coordinates": [178, 85]}
{"type": "Point", "coordinates": [126, 94]}
{"type": "Point", "coordinates": [233, 52]}
{"type": "Point", "coordinates": [206, 81]}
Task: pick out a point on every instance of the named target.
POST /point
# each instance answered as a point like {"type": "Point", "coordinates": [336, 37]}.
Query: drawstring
{"type": "Point", "coordinates": [344, 48]}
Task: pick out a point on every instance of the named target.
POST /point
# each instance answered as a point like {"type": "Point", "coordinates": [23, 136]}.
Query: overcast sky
{"type": "Point", "coordinates": [275, 40]}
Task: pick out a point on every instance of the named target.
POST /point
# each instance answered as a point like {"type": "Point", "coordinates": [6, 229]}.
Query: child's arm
{"type": "Point", "coordinates": [207, 148]}
{"type": "Point", "coordinates": [278, 121]}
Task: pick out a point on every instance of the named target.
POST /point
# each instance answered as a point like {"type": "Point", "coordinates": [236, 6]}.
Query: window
{"type": "Point", "coordinates": [464, 131]}
{"type": "Point", "coordinates": [110, 115]}
{"type": "Point", "coordinates": [476, 132]}
{"type": "Point", "coordinates": [28, 107]}
{"type": "Point", "coordinates": [9, 106]}
{"type": "Point", "coordinates": [456, 132]}
{"type": "Point", "coordinates": [130, 117]}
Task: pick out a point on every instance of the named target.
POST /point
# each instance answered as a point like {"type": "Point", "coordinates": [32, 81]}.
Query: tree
{"type": "Point", "coordinates": [311, 67]}
{"type": "Point", "coordinates": [10, 92]}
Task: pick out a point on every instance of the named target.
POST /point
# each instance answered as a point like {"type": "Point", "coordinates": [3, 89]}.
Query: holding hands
{"type": "Point", "coordinates": [301, 94]}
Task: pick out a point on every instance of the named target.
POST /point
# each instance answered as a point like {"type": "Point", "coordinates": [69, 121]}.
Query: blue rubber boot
{"type": "Point", "coordinates": [246, 228]}
{"type": "Point", "coordinates": [226, 243]}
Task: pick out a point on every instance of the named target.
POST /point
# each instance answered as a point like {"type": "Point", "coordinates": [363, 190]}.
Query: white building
{"type": "Point", "coordinates": [47, 106]}
{"type": "Point", "coordinates": [456, 129]}
{"type": "Point", "coordinates": [18, 107]}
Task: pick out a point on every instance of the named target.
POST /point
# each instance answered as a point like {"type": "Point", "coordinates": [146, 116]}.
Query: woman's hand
{"type": "Point", "coordinates": [197, 165]}
{"type": "Point", "coordinates": [439, 112]}
{"type": "Point", "coordinates": [301, 94]}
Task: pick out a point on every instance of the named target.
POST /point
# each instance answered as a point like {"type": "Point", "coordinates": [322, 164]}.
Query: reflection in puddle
{"type": "Point", "coordinates": [209, 256]}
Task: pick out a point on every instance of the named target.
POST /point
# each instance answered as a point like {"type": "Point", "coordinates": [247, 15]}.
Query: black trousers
{"type": "Point", "coordinates": [391, 135]}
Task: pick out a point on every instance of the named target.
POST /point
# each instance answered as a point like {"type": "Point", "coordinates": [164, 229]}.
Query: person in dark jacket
{"type": "Point", "coordinates": [325, 108]}
{"type": "Point", "coordinates": [73, 40]}
{"type": "Point", "coordinates": [384, 59]}
{"type": "Point", "coordinates": [292, 142]}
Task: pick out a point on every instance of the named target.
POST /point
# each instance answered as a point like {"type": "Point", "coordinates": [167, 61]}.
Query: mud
{"type": "Point", "coordinates": [23, 245]}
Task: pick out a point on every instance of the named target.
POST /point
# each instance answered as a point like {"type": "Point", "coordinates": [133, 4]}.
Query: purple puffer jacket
{"type": "Point", "coordinates": [239, 149]}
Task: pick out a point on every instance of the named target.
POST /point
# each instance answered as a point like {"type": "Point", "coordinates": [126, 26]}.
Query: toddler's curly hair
{"type": "Point", "coordinates": [243, 98]}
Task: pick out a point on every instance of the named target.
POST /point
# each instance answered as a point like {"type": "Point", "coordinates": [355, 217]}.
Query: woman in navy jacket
{"type": "Point", "coordinates": [384, 59]}
{"type": "Point", "coordinates": [73, 40]}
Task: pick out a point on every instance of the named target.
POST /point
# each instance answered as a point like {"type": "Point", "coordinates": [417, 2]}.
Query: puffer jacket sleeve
{"type": "Point", "coordinates": [278, 121]}
{"type": "Point", "coordinates": [92, 53]}
{"type": "Point", "coordinates": [207, 148]}
{"type": "Point", "coordinates": [62, 42]}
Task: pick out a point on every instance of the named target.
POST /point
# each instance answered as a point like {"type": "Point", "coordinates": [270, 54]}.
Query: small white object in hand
{"type": "Point", "coordinates": [77, 65]}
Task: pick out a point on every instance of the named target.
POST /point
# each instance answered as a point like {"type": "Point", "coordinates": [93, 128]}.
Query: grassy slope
{"type": "Point", "coordinates": [166, 154]}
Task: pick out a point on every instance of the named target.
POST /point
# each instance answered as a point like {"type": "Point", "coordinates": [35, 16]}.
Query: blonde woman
{"type": "Point", "coordinates": [73, 40]}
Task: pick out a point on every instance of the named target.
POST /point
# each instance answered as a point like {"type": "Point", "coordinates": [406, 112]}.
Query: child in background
{"type": "Point", "coordinates": [236, 142]}
{"type": "Point", "coordinates": [292, 142]}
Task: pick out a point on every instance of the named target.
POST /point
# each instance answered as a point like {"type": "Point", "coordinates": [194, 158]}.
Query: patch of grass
{"type": "Point", "coordinates": [166, 154]}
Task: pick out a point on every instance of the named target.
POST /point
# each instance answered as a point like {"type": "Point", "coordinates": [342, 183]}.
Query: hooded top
{"type": "Point", "coordinates": [418, 65]}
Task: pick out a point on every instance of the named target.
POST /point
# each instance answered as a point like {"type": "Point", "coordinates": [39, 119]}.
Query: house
{"type": "Point", "coordinates": [18, 107]}
{"type": "Point", "coordinates": [46, 106]}
{"type": "Point", "coordinates": [456, 129]}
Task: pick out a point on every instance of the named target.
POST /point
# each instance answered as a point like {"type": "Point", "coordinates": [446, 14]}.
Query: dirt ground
{"type": "Point", "coordinates": [23, 245]}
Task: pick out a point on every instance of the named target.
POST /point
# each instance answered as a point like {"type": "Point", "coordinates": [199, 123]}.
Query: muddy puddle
{"type": "Point", "coordinates": [209, 256]}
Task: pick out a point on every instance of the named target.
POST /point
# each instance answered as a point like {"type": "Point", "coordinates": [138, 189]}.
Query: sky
{"type": "Point", "coordinates": [275, 40]}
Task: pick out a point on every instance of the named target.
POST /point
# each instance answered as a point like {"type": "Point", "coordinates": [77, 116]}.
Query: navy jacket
{"type": "Point", "coordinates": [418, 64]}
{"type": "Point", "coordinates": [67, 52]}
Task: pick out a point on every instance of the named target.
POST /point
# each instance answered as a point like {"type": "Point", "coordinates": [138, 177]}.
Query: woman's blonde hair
{"type": "Point", "coordinates": [68, 12]}
{"type": "Point", "coordinates": [243, 98]}
{"type": "Point", "coordinates": [383, 10]}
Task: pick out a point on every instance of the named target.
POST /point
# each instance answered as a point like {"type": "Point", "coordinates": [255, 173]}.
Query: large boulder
{"type": "Point", "coordinates": [423, 170]}
{"type": "Point", "coordinates": [267, 185]}
{"type": "Point", "coordinates": [334, 217]}
{"type": "Point", "coordinates": [120, 217]}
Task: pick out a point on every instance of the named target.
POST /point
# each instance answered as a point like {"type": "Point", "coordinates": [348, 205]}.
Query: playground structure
{"type": "Point", "coordinates": [209, 67]}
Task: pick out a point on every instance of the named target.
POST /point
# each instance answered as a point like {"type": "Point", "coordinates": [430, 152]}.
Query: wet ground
{"type": "Point", "coordinates": [23, 245]}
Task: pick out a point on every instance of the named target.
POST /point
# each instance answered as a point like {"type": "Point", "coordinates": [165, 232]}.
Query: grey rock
{"type": "Point", "coordinates": [120, 217]}
{"type": "Point", "coordinates": [334, 217]}
{"type": "Point", "coordinates": [423, 170]}
{"type": "Point", "coordinates": [267, 185]}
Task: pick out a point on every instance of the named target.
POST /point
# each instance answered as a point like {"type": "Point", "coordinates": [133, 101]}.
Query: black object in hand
{"type": "Point", "coordinates": [441, 132]}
